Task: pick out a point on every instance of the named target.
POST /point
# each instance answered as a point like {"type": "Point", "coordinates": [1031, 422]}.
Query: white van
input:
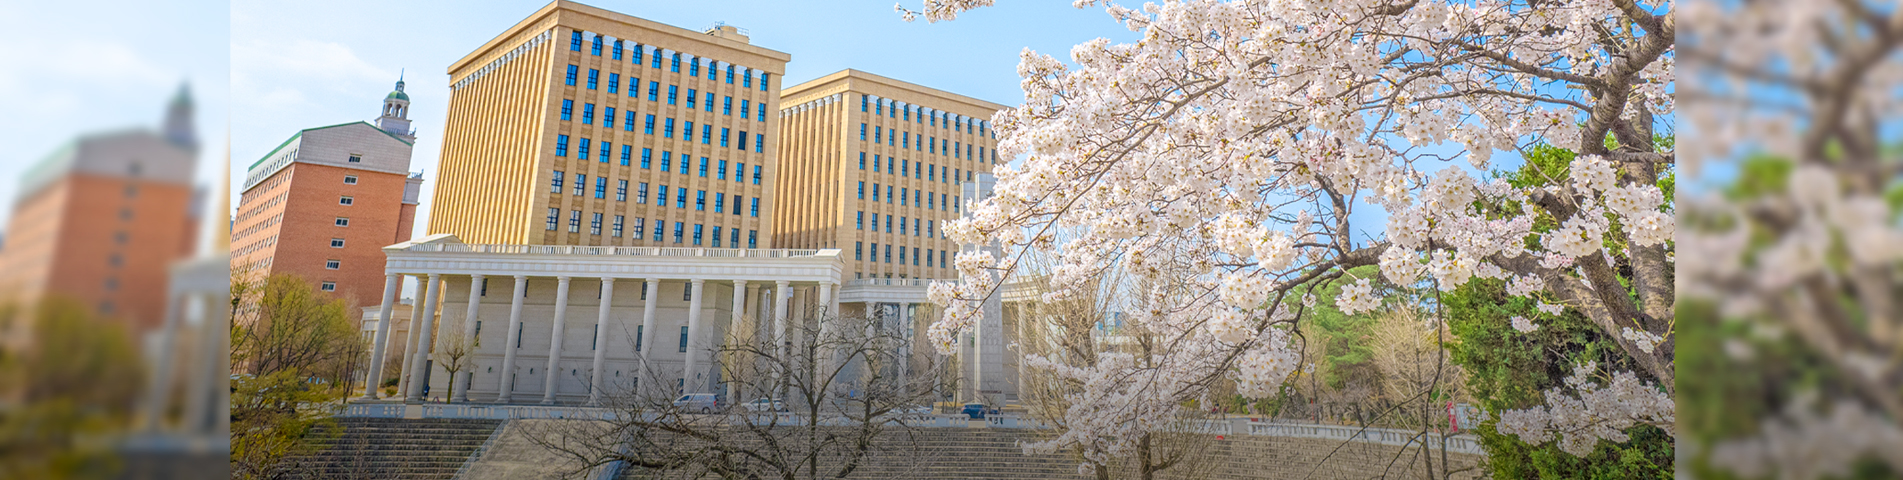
{"type": "Point", "coordinates": [697, 402]}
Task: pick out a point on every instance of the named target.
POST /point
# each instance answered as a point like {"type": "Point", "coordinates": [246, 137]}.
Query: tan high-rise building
{"type": "Point", "coordinates": [873, 166]}
{"type": "Point", "coordinates": [324, 203]}
{"type": "Point", "coordinates": [582, 126]}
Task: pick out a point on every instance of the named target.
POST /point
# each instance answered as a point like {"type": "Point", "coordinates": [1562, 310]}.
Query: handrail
{"type": "Point", "coordinates": [897, 282]}
{"type": "Point", "coordinates": [586, 250]}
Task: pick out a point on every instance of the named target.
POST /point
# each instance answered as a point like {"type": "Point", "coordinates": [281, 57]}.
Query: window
{"type": "Point", "coordinates": [345, 200]}
{"type": "Point", "coordinates": [675, 65]}
{"type": "Point", "coordinates": [862, 160]}
{"type": "Point", "coordinates": [594, 78]}
{"type": "Point", "coordinates": [553, 215]}
{"type": "Point", "coordinates": [608, 117]}
{"type": "Point", "coordinates": [747, 81]}
{"type": "Point", "coordinates": [706, 134]}
{"type": "Point", "coordinates": [561, 145]}
{"type": "Point", "coordinates": [739, 171]}
{"type": "Point", "coordinates": [617, 226]}
{"type": "Point", "coordinates": [690, 98]}
{"type": "Point", "coordinates": [734, 238]}
{"type": "Point", "coordinates": [743, 109]}
{"type": "Point", "coordinates": [763, 80]}
{"type": "Point", "coordinates": [640, 225]}
{"type": "Point", "coordinates": [649, 128]}
{"type": "Point", "coordinates": [638, 328]}
{"type": "Point", "coordinates": [730, 74]}
{"type": "Point", "coordinates": [754, 210]}
{"type": "Point", "coordinates": [928, 257]}
{"type": "Point", "coordinates": [634, 54]}
{"type": "Point", "coordinates": [667, 130]}
{"type": "Point", "coordinates": [333, 264]}
{"type": "Point", "coordinates": [721, 174]}
{"type": "Point", "coordinates": [348, 180]}
{"type": "Point", "coordinates": [568, 109]}
{"type": "Point", "coordinates": [617, 50]}
{"type": "Point", "coordinates": [902, 195]}
{"type": "Point", "coordinates": [629, 123]}
{"type": "Point", "coordinates": [736, 207]}
{"type": "Point", "coordinates": [572, 71]}
{"type": "Point", "coordinates": [658, 227]}
{"type": "Point", "coordinates": [679, 228]}
{"type": "Point", "coordinates": [627, 154]}
{"type": "Point", "coordinates": [660, 197]}
{"type": "Point", "coordinates": [723, 136]}
{"type": "Point", "coordinates": [862, 131]}
{"type": "Point", "coordinates": [595, 48]}
{"type": "Point", "coordinates": [574, 221]}
{"type": "Point", "coordinates": [693, 68]}
{"type": "Point", "coordinates": [342, 222]}
{"type": "Point", "coordinates": [858, 250]}
{"type": "Point", "coordinates": [756, 174]}
{"type": "Point", "coordinates": [716, 237]}
{"type": "Point", "coordinates": [862, 187]}
{"type": "Point", "coordinates": [594, 225]}
{"type": "Point", "coordinates": [720, 202]}
{"type": "Point", "coordinates": [574, 42]}
{"type": "Point", "coordinates": [726, 108]}
{"type": "Point", "coordinates": [606, 148]}
{"type": "Point", "coordinates": [762, 107]}
{"type": "Point", "coordinates": [672, 91]}
{"type": "Point", "coordinates": [684, 331]}
{"type": "Point", "coordinates": [751, 234]}
{"type": "Point", "coordinates": [555, 186]}
{"type": "Point", "coordinates": [601, 187]}
{"type": "Point", "coordinates": [914, 256]}
{"type": "Point", "coordinates": [862, 220]}
{"type": "Point", "coordinates": [336, 243]}
{"type": "Point", "coordinates": [641, 194]}
{"type": "Point", "coordinates": [654, 90]}
{"type": "Point", "coordinates": [581, 149]}
{"type": "Point", "coordinates": [621, 191]}
{"type": "Point", "coordinates": [356, 159]}
{"type": "Point", "coordinates": [697, 234]}
{"type": "Point", "coordinates": [700, 200]}
{"type": "Point", "coordinates": [680, 195]}
{"type": "Point", "coordinates": [326, 286]}
{"type": "Point", "coordinates": [588, 114]}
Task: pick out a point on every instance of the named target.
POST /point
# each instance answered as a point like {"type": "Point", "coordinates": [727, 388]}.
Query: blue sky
{"type": "Point", "coordinates": [297, 65]}
{"type": "Point", "coordinates": [115, 70]}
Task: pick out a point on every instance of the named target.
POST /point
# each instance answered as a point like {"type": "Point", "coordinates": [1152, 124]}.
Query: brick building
{"type": "Point", "coordinates": [323, 204]}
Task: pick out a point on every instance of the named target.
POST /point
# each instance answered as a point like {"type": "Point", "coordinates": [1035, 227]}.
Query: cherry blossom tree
{"type": "Point", "coordinates": [1240, 148]}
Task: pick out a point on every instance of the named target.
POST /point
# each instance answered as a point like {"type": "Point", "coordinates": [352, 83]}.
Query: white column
{"type": "Point", "coordinates": [391, 283]}
{"type": "Point", "coordinates": [409, 345]}
{"type": "Point", "coordinates": [419, 370]}
{"type": "Point", "coordinates": [549, 377]}
{"type": "Point", "coordinates": [653, 286]}
{"type": "Point", "coordinates": [827, 327]}
{"type": "Point", "coordinates": [905, 345]}
{"type": "Point", "coordinates": [694, 343]}
{"type": "Point", "coordinates": [781, 294]}
{"type": "Point", "coordinates": [461, 391]}
{"type": "Point", "coordinates": [733, 329]}
{"type": "Point", "coordinates": [507, 385]}
{"type": "Point", "coordinates": [158, 391]}
{"type": "Point", "coordinates": [601, 340]}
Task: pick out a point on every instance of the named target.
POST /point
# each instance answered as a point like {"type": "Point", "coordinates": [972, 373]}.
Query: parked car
{"type": "Point", "coordinates": [977, 411]}
{"type": "Point", "coordinates": [764, 404]}
{"type": "Point", "coordinates": [697, 402]}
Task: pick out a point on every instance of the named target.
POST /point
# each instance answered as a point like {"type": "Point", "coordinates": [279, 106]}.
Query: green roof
{"type": "Point", "coordinates": [300, 133]}
{"type": "Point", "coordinates": [398, 95]}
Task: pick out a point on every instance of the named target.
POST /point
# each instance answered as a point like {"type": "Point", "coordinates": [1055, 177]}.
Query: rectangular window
{"type": "Point", "coordinates": [736, 208]}
{"type": "Point", "coordinates": [680, 194]}
{"type": "Point", "coordinates": [554, 214]}
{"type": "Point", "coordinates": [743, 109]}
{"type": "Point", "coordinates": [595, 48]}
{"type": "Point", "coordinates": [697, 234]}
{"type": "Point", "coordinates": [660, 197]}
{"type": "Point", "coordinates": [764, 78]}
{"type": "Point", "coordinates": [751, 236]}
{"type": "Point", "coordinates": [617, 50]}
{"type": "Point", "coordinates": [740, 172]}
{"type": "Point", "coordinates": [568, 109]}
{"type": "Point", "coordinates": [660, 228]}
{"type": "Point", "coordinates": [581, 184]}
{"type": "Point", "coordinates": [667, 128]}
{"type": "Point", "coordinates": [716, 237]}
{"type": "Point", "coordinates": [594, 225]}
{"type": "Point", "coordinates": [581, 149]}
{"type": "Point", "coordinates": [862, 187]}
{"type": "Point", "coordinates": [647, 156]}
{"type": "Point", "coordinates": [691, 94]}
{"type": "Point", "coordinates": [722, 173]}
{"type": "Point", "coordinates": [574, 221]}
{"type": "Point", "coordinates": [621, 191]}
{"type": "Point", "coordinates": [862, 131]}
{"type": "Point", "coordinates": [914, 256]}
{"type": "Point", "coordinates": [634, 54]}
{"type": "Point", "coordinates": [629, 123]}
{"type": "Point", "coordinates": [641, 194]}
{"type": "Point", "coordinates": [684, 338]}
{"type": "Point", "coordinates": [350, 179]}
{"type": "Point", "coordinates": [607, 148]}
{"type": "Point", "coordinates": [733, 236]}
{"type": "Point", "coordinates": [862, 160]}
{"type": "Point", "coordinates": [754, 210]}
{"type": "Point", "coordinates": [341, 222]}
{"type": "Point", "coordinates": [638, 328]}
{"type": "Point", "coordinates": [617, 227]}
{"type": "Point", "coordinates": [336, 243]}
{"type": "Point", "coordinates": [762, 108]}
{"type": "Point", "coordinates": [588, 114]}
{"type": "Point", "coordinates": [346, 201]}
{"type": "Point", "coordinates": [328, 286]}
{"type": "Point", "coordinates": [928, 257]}
{"type": "Point", "coordinates": [720, 202]}
{"type": "Point", "coordinates": [574, 41]}
{"type": "Point", "coordinates": [700, 200]}
{"type": "Point", "coordinates": [687, 131]}
{"type": "Point", "coordinates": [627, 154]}
{"type": "Point", "coordinates": [608, 117]}
{"type": "Point", "coordinates": [693, 68]}
{"type": "Point", "coordinates": [594, 78]}
{"type": "Point", "coordinates": [756, 174]}
{"type": "Point", "coordinates": [601, 187]}
{"type": "Point", "coordinates": [706, 134]}
{"type": "Point", "coordinates": [724, 131]}
{"type": "Point", "coordinates": [572, 71]}
{"type": "Point", "coordinates": [649, 129]}
{"type": "Point", "coordinates": [654, 90]}
{"type": "Point", "coordinates": [333, 264]}
{"type": "Point", "coordinates": [675, 64]}
{"type": "Point", "coordinates": [858, 250]}
{"type": "Point", "coordinates": [561, 145]}
{"type": "Point", "coordinates": [667, 159]}
{"type": "Point", "coordinates": [678, 229]}
{"type": "Point", "coordinates": [671, 92]}
{"type": "Point", "coordinates": [726, 107]}
{"type": "Point", "coordinates": [902, 195]}
{"type": "Point", "coordinates": [640, 226]}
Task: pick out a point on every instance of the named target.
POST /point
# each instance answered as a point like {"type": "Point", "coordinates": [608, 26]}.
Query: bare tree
{"type": "Point", "coordinates": [453, 355]}
{"type": "Point", "coordinates": [847, 406]}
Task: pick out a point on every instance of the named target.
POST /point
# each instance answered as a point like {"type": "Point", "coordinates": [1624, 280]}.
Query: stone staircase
{"type": "Point", "coordinates": [394, 448]}
{"type": "Point", "coordinates": [940, 454]}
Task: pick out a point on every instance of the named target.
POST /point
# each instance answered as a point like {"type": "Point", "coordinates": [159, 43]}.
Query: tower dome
{"type": "Point", "coordinates": [396, 113]}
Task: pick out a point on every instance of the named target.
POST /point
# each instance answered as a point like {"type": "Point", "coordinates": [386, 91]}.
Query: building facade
{"type": "Point", "coordinates": [103, 218]}
{"type": "Point", "coordinates": [873, 166]}
{"type": "Point", "coordinates": [581, 126]}
{"type": "Point", "coordinates": [325, 202]}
